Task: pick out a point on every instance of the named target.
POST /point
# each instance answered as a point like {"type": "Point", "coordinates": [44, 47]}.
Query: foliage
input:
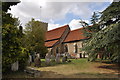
{"type": "Point", "coordinates": [110, 13]}
{"type": "Point", "coordinates": [23, 58]}
{"type": "Point", "coordinates": [95, 27]}
{"type": "Point", "coordinates": [34, 37]}
{"type": "Point", "coordinates": [106, 40]}
{"type": "Point", "coordinates": [6, 5]}
{"type": "Point", "coordinates": [7, 17]}
{"type": "Point", "coordinates": [12, 49]}
{"type": "Point", "coordinates": [83, 23]}
{"type": "Point", "coordinates": [95, 18]}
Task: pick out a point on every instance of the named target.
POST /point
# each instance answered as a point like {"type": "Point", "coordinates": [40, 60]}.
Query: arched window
{"type": "Point", "coordinates": [75, 48]}
{"type": "Point", "coordinates": [57, 50]}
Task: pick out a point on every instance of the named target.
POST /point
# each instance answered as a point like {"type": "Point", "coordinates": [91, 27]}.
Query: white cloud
{"type": "Point", "coordinates": [51, 12]}
{"type": "Point", "coordinates": [53, 26]}
{"type": "Point", "coordinates": [74, 24]}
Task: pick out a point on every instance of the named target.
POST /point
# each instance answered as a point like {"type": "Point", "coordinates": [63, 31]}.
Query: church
{"type": "Point", "coordinates": [63, 39]}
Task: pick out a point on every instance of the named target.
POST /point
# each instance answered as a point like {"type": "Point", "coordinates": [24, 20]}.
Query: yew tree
{"type": "Point", "coordinates": [107, 40]}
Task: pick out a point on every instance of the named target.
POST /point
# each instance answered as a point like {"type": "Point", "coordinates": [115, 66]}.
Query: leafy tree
{"type": "Point", "coordinates": [7, 17]}
{"type": "Point", "coordinates": [35, 37]}
{"type": "Point", "coordinates": [107, 40]}
{"type": "Point", "coordinates": [6, 5]}
{"type": "Point", "coordinates": [12, 50]}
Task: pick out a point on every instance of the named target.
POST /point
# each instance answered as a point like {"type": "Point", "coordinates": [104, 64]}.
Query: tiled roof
{"type": "Point", "coordinates": [55, 33]}
{"type": "Point", "coordinates": [75, 35]}
{"type": "Point", "coordinates": [50, 43]}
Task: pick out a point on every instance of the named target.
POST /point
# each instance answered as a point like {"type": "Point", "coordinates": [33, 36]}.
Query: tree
{"type": "Point", "coordinates": [83, 23]}
{"type": "Point", "coordinates": [95, 18]}
{"type": "Point", "coordinates": [95, 27]}
{"type": "Point", "coordinates": [35, 37]}
{"type": "Point", "coordinates": [12, 50]}
{"type": "Point", "coordinates": [107, 40]}
{"type": "Point", "coordinates": [111, 14]}
{"type": "Point", "coordinates": [7, 17]}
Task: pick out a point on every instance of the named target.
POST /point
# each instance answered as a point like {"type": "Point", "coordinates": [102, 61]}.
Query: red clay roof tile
{"type": "Point", "coordinates": [50, 43]}
{"type": "Point", "coordinates": [55, 33]}
{"type": "Point", "coordinates": [75, 35]}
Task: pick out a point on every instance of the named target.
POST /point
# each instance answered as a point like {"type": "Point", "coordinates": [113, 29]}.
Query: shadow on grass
{"type": "Point", "coordinates": [97, 75]}
{"type": "Point", "coordinates": [51, 74]}
{"type": "Point", "coordinates": [43, 74]}
{"type": "Point", "coordinates": [16, 74]}
{"type": "Point", "coordinates": [114, 67]}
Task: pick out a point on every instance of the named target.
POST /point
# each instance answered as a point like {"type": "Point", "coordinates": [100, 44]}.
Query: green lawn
{"type": "Point", "coordinates": [77, 68]}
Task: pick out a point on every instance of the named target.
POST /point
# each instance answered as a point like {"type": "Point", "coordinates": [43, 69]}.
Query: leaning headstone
{"type": "Point", "coordinates": [37, 61]}
{"type": "Point", "coordinates": [58, 58]}
{"type": "Point", "coordinates": [52, 58]}
{"type": "Point", "coordinates": [47, 59]}
{"type": "Point", "coordinates": [15, 66]}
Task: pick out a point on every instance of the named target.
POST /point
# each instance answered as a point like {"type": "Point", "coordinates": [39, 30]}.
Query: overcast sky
{"type": "Point", "coordinates": [57, 14]}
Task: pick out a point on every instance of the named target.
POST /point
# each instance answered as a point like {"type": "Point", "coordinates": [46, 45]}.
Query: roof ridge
{"type": "Point", "coordinates": [77, 29]}
{"type": "Point", "coordinates": [58, 28]}
{"type": "Point", "coordinates": [81, 28]}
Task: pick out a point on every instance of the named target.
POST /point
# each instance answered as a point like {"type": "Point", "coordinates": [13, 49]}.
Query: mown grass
{"type": "Point", "coordinates": [81, 68]}
{"type": "Point", "coordinates": [77, 68]}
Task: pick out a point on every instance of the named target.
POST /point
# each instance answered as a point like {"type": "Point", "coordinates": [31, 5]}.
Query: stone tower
{"type": "Point", "coordinates": [44, 26]}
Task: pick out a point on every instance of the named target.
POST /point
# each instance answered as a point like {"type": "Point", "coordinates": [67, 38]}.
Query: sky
{"type": "Point", "coordinates": [56, 14]}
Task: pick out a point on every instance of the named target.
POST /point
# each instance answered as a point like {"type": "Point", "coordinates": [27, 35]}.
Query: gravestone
{"type": "Point", "coordinates": [58, 58]}
{"type": "Point", "coordinates": [64, 59]}
{"type": "Point", "coordinates": [47, 58]}
{"type": "Point", "coordinates": [15, 66]}
{"type": "Point", "coordinates": [68, 55]}
{"type": "Point", "coordinates": [52, 58]}
{"type": "Point", "coordinates": [37, 60]}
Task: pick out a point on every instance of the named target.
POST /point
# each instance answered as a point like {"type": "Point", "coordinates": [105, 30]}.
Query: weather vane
{"type": "Point", "coordinates": [40, 11]}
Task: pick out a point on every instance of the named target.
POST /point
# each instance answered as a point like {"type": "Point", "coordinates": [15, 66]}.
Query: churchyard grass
{"type": "Point", "coordinates": [81, 68]}
{"type": "Point", "coordinates": [77, 68]}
